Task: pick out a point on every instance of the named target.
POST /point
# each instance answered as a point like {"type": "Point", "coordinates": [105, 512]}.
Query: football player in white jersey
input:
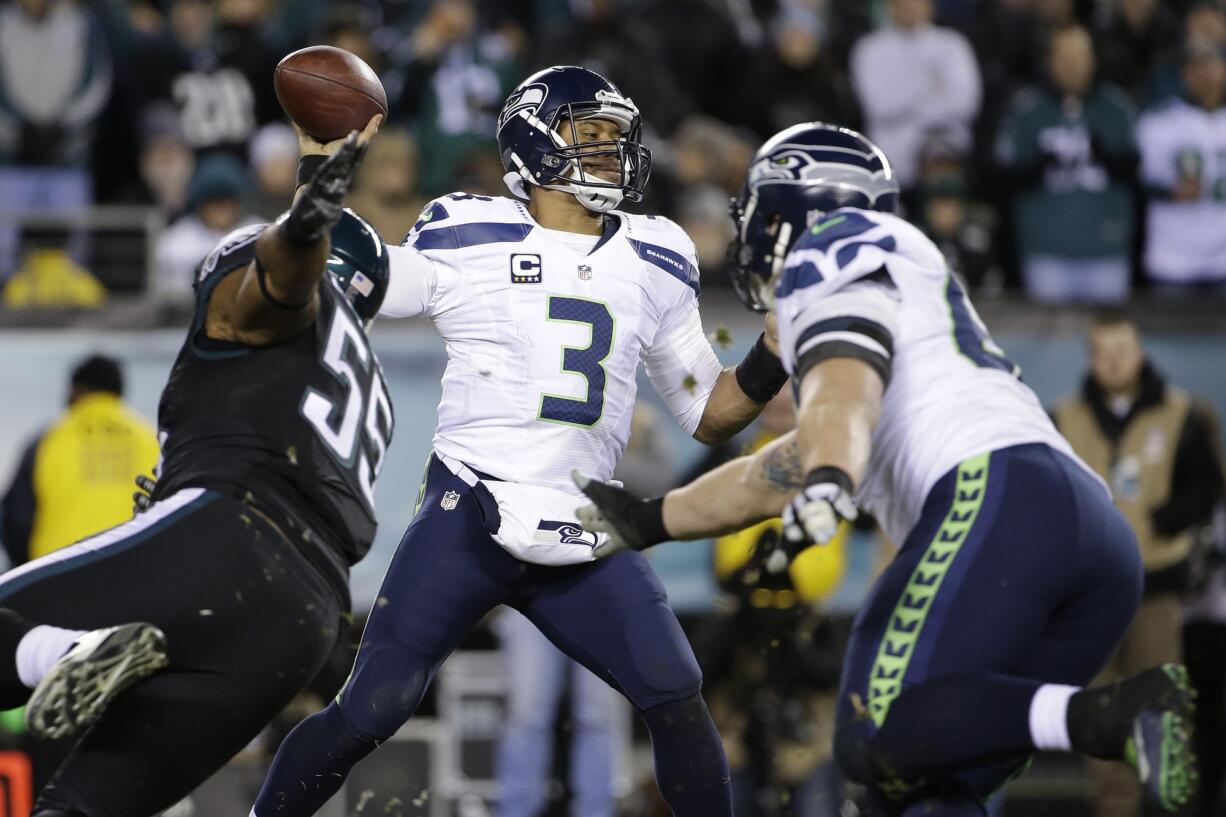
{"type": "Point", "coordinates": [1015, 576]}
{"type": "Point", "coordinates": [548, 302]}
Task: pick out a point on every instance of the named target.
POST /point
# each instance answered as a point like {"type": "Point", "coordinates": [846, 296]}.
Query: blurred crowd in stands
{"type": "Point", "coordinates": [1074, 149]}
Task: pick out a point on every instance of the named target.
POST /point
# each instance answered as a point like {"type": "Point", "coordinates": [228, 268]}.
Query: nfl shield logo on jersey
{"type": "Point", "coordinates": [450, 500]}
{"type": "Point", "coordinates": [585, 272]}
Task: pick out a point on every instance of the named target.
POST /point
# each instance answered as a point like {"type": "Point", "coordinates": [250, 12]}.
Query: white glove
{"type": "Point", "coordinates": [814, 514]}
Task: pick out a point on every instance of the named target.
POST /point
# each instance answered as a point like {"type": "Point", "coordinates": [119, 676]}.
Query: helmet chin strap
{"type": "Point", "coordinates": [597, 198]}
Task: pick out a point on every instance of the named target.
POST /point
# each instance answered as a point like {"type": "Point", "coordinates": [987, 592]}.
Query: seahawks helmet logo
{"type": "Point", "coordinates": [803, 166]}
{"type": "Point", "coordinates": [528, 98]}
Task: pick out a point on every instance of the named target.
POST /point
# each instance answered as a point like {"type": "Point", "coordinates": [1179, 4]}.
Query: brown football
{"type": "Point", "coordinates": [328, 91]}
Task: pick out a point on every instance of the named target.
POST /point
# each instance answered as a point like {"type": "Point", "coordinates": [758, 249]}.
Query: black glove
{"type": "Point", "coordinates": [143, 498]}
{"type": "Point", "coordinates": [630, 522]}
{"type": "Point", "coordinates": [317, 210]}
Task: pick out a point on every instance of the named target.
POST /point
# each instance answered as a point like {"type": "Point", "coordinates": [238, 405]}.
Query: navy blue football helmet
{"type": "Point", "coordinates": [534, 152]}
{"type": "Point", "coordinates": [798, 176]}
{"type": "Point", "coordinates": [358, 262]}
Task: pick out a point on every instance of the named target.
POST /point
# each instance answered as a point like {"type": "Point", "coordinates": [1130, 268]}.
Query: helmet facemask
{"type": "Point", "coordinates": [568, 166]}
{"type": "Point", "coordinates": [755, 273]}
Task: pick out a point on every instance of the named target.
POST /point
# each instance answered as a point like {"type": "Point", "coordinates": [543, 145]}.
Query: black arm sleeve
{"type": "Point", "coordinates": [1197, 478]}
{"type": "Point", "coordinates": [17, 509]}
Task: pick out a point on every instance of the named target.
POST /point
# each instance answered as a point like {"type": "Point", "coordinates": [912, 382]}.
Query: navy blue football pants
{"type": "Point", "coordinates": [612, 616]}
{"type": "Point", "coordinates": [1019, 572]}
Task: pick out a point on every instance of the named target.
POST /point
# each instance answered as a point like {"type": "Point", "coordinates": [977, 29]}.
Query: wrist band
{"type": "Point", "coordinates": [830, 474]}
{"type": "Point", "coordinates": [308, 166]}
{"type": "Point", "coordinates": [648, 519]}
{"type": "Point", "coordinates": [761, 374]}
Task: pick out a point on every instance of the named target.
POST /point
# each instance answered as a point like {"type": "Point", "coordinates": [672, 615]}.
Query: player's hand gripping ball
{"type": "Point", "coordinates": [328, 92]}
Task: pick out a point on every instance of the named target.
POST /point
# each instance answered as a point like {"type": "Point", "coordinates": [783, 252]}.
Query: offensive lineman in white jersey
{"type": "Point", "coordinates": [547, 303]}
{"type": "Point", "coordinates": [1015, 577]}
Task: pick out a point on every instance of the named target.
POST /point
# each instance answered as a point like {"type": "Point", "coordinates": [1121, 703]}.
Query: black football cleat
{"type": "Point", "coordinates": [1146, 721]}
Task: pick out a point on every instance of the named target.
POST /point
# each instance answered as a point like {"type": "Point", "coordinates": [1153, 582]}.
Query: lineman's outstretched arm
{"type": "Point", "coordinates": [737, 494]}
{"type": "Point", "coordinates": [841, 400]}
{"type": "Point", "coordinates": [839, 405]}
{"type": "Point", "coordinates": [274, 298]}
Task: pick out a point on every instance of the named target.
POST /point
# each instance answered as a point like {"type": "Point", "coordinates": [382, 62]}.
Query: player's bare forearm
{"type": "Point", "coordinates": [840, 402]}
{"type": "Point", "coordinates": [729, 408]}
{"type": "Point", "coordinates": [274, 298]}
{"type": "Point", "coordinates": [240, 311]}
{"type": "Point", "coordinates": [738, 494]}
{"type": "Point", "coordinates": [728, 411]}
{"type": "Point", "coordinates": [295, 250]}
{"type": "Point", "coordinates": [291, 272]}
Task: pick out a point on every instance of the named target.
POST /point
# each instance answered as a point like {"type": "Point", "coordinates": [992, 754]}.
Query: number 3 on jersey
{"type": "Point", "coordinates": [587, 361]}
{"type": "Point", "coordinates": [340, 430]}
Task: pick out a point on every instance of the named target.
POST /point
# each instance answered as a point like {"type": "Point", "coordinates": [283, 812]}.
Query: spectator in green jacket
{"type": "Point", "coordinates": [455, 82]}
{"type": "Point", "coordinates": [1067, 150]}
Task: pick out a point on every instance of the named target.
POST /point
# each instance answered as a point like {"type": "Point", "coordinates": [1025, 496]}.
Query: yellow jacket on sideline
{"type": "Point", "coordinates": [83, 471]}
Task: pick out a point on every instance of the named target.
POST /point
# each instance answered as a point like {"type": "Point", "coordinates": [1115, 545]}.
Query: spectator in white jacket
{"type": "Point", "coordinates": [1183, 167]}
{"type": "Point", "coordinates": [55, 79]}
{"type": "Point", "coordinates": [912, 77]}
{"type": "Point", "coordinates": [217, 204]}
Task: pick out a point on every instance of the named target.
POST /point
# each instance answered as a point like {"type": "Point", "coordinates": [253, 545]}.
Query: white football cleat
{"type": "Point", "coordinates": [97, 667]}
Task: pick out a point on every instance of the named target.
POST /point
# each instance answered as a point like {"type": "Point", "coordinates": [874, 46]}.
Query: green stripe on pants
{"type": "Point", "coordinates": [907, 621]}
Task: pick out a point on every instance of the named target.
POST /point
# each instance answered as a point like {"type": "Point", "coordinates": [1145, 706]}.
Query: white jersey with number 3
{"type": "Point", "coordinates": [869, 285]}
{"type": "Point", "coordinates": [544, 341]}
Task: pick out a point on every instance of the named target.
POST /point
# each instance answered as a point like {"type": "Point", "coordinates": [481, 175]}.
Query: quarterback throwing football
{"type": "Point", "coordinates": [548, 302]}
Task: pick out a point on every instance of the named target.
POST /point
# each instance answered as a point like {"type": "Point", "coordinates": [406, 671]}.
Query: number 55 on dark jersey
{"type": "Point", "coordinates": [298, 429]}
